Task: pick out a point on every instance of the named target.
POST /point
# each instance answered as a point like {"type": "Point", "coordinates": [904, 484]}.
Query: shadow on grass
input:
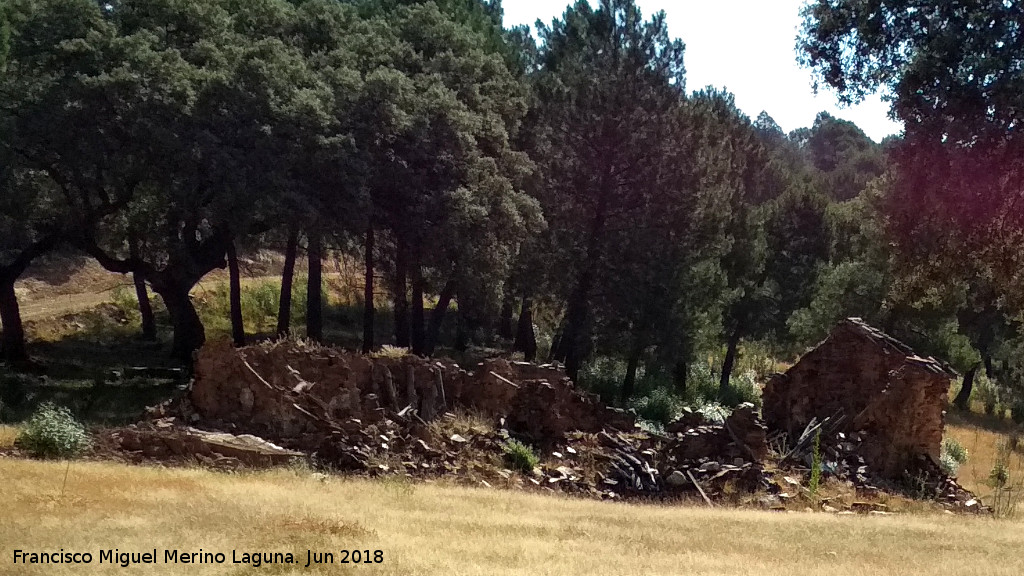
{"type": "Point", "coordinates": [987, 422]}
{"type": "Point", "coordinates": [108, 380]}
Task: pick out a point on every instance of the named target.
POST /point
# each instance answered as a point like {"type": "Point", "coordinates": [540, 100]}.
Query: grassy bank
{"type": "Point", "coordinates": [434, 529]}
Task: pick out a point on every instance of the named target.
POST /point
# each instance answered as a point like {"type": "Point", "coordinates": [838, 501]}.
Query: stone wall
{"type": "Point", "coordinates": [290, 389]}
{"type": "Point", "coordinates": [876, 384]}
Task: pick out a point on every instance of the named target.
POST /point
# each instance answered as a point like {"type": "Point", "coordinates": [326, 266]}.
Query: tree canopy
{"type": "Point", "coordinates": [562, 195]}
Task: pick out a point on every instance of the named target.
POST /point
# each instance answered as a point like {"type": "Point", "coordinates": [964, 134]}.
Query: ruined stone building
{"type": "Point", "coordinates": [876, 384]}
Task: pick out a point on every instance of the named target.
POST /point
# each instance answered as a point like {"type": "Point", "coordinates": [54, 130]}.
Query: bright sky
{"type": "Point", "coordinates": [745, 46]}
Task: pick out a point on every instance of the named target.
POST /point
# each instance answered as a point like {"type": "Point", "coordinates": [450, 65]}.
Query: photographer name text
{"type": "Point", "coordinates": [255, 559]}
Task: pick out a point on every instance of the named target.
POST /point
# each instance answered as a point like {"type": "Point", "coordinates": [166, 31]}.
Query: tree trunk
{"type": "Point", "coordinates": [526, 339]}
{"type": "Point", "coordinates": [556, 345]}
{"type": "Point", "coordinates": [314, 287]}
{"type": "Point", "coordinates": [401, 298]}
{"type": "Point", "coordinates": [145, 307]}
{"type": "Point", "coordinates": [679, 374]}
{"type": "Point", "coordinates": [235, 297]}
{"type": "Point", "coordinates": [444, 300]}
{"type": "Point", "coordinates": [142, 295]}
{"type": "Point", "coordinates": [284, 311]}
{"type": "Point", "coordinates": [963, 398]}
{"type": "Point", "coordinates": [189, 334]}
{"type": "Point", "coordinates": [416, 309]}
{"type": "Point", "coordinates": [368, 306]}
{"type": "Point", "coordinates": [505, 321]}
{"type": "Point", "coordinates": [461, 329]}
{"type": "Point", "coordinates": [574, 337]}
{"type": "Point", "coordinates": [12, 342]}
{"type": "Point", "coordinates": [629, 384]}
{"type": "Point", "coordinates": [729, 362]}
{"type": "Point", "coordinates": [174, 283]}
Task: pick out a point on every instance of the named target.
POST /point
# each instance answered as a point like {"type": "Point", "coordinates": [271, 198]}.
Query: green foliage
{"type": "Point", "coordinates": [159, 132]}
{"type": "Point", "coordinates": [713, 412]}
{"type": "Point", "coordinates": [1017, 411]}
{"type": "Point", "coordinates": [986, 391]}
{"type": "Point", "coordinates": [1007, 492]}
{"type": "Point", "coordinates": [603, 376]}
{"type": "Point", "coordinates": [950, 199]}
{"type": "Point", "coordinates": [742, 388]}
{"type": "Point", "coordinates": [126, 303]}
{"type": "Point", "coordinates": [520, 456]}
{"type": "Point", "coordinates": [660, 406]}
{"type": "Point", "coordinates": [260, 304]}
{"type": "Point", "coordinates": [815, 480]}
{"type": "Point", "coordinates": [5, 39]}
{"type": "Point", "coordinates": [953, 456]}
{"type": "Point", "coordinates": [52, 432]}
{"type": "Point", "coordinates": [701, 384]}
{"type": "Point", "coordinates": [845, 158]}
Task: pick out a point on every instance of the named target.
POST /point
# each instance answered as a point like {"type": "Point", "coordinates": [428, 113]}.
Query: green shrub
{"type": "Point", "coordinates": [52, 432]}
{"type": "Point", "coordinates": [758, 359]}
{"type": "Point", "coordinates": [260, 304]}
{"type": "Point", "coordinates": [660, 406]}
{"type": "Point", "coordinates": [953, 456]}
{"type": "Point", "coordinates": [126, 302]}
{"type": "Point", "coordinates": [815, 465]}
{"type": "Point", "coordinates": [742, 388]}
{"type": "Point", "coordinates": [1017, 411]}
{"type": "Point", "coordinates": [1007, 492]}
{"type": "Point", "coordinates": [701, 385]}
{"type": "Point", "coordinates": [519, 456]}
{"type": "Point", "coordinates": [713, 412]}
{"type": "Point", "coordinates": [986, 392]}
{"type": "Point", "coordinates": [604, 376]}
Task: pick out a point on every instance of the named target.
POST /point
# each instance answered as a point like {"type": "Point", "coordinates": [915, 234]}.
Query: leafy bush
{"type": "Point", "coordinates": [758, 359]}
{"type": "Point", "coordinates": [986, 392]}
{"type": "Point", "coordinates": [713, 412]}
{"type": "Point", "coordinates": [519, 456]}
{"type": "Point", "coordinates": [659, 406]}
{"type": "Point", "coordinates": [742, 388]}
{"type": "Point", "coordinates": [389, 351]}
{"type": "Point", "coordinates": [260, 304]}
{"type": "Point", "coordinates": [52, 432]}
{"type": "Point", "coordinates": [126, 303]}
{"type": "Point", "coordinates": [701, 386]}
{"type": "Point", "coordinates": [1017, 411]}
{"type": "Point", "coordinates": [953, 456]}
{"type": "Point", "coordinates": [604, 376]}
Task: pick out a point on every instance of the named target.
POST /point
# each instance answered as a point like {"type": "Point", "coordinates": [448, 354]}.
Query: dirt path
{"type": "Point", "coordinates": [63, 304]}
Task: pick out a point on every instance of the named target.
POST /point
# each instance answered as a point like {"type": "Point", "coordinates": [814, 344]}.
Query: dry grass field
{"type": "Point", "coordinates": [434, 529]}
{"type": "Point", "coordinates": [982, 445]}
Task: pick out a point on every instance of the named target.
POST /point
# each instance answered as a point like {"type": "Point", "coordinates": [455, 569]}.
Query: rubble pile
{"type": "Point", "coordinates": [869, 383]}
{"type": "Point", "coordinates": [293, 389]}
{"type": "Point", "coordinates": [165, 440]}
{"type": "Point", "coordinates": [872, 409]}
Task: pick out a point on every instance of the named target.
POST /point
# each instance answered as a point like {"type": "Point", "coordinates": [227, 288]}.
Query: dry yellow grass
{"type": "Point", "coordinates": [982, 445]}
{"type": "Point", "coordinates": [8, 434]}
{"type": "Point", "coordinates": [434, 529]}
